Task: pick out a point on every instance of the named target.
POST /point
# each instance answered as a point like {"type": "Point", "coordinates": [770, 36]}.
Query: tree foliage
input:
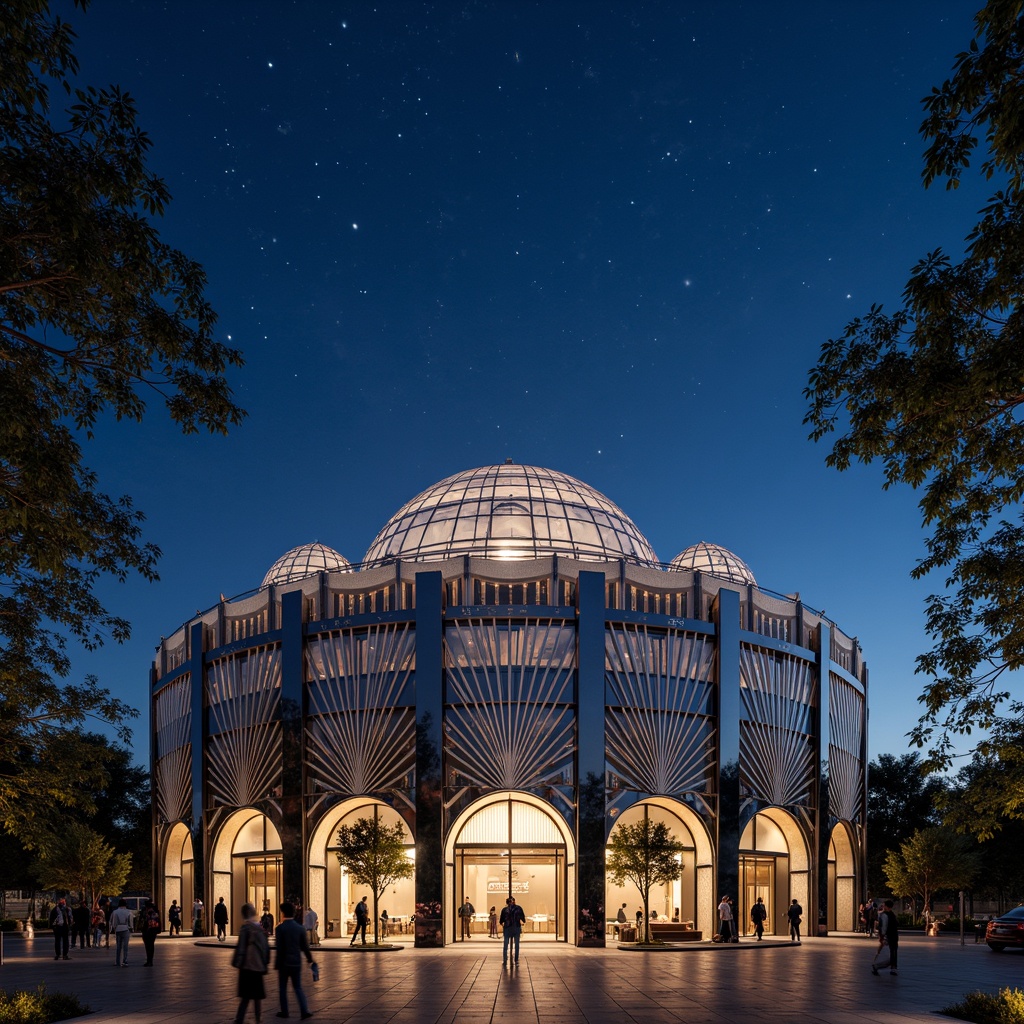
{"type": "Point", "coordinates": [75, 858]}
{"type": "Point", "coordinates": [646, 854]}
{"type": "Point", "coordinates": [97, 315]}
{"type": "Point", "coordinates": [374, 855]}
{"type": "Point", "coordinates": [931, 859]}
{"type": "Point", "coordinates": [934, 390]}
{"type": "Point", "coordinates": [902, 798]}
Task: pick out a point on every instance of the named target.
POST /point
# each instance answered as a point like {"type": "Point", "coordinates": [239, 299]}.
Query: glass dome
{"type": "Point", "coordinates": [715, 560]}
{"type": "Point", "coordinates": [303, 561]}
{"type": "Point", "coordinates": [510, 512]}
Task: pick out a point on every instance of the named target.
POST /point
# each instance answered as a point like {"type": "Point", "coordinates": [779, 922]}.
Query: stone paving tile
{"type": "Point", "coordinates": [826, 980]}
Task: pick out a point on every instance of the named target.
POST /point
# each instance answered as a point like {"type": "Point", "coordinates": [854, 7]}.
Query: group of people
{"type": "Point", "coordinates": [728, 926]}
{"type": "Point", "coordinates": [91, 928]}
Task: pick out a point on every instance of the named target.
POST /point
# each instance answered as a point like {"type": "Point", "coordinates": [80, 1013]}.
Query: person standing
{"type": "Point", "coordinates": [99, 925]}
{"type": "Point", "coordinates": [466, 912]}
{"type": "Point", "coordinates": [292, 945]}
{"type": "Point", "coordinates": [121, 926]}
{"type": "Point", "coordinates": [60, 922]}
{"type": "Point", "coordinates": [267, 920]}
{"type": "Point", "coordinates": [362, 920]}
{"type": "Point", "coordinates": [513, 917]}
{"type": "Point", "coordinates": [795, 915]}
{"type": "Point", "coordinates": [384, 924]}
{"type": "Point", "coordinates": [888, 936]}
{"type": "Point", "coordinates": [725, 919]}
{"type": "Point", "coordinates": [492, 923]}
{"type": "Point", "coordinates": [759, 914]}
{"type": "Point", "coordinates": [174, 919]}
{"type": "Point", "coordinates": [150, 930]}
{"type": "Point", "coordinates": [220, 919]}
{"type": "Point", "coordinates": [252, 958]}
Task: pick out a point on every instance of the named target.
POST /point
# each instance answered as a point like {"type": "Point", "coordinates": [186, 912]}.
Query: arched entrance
{"type": "Point", "coordinates": [692, 894]}
{"type": "Point", "coordinates": [775, 865]}
{"type": "Point", "coordinates": [245, 867]}
{"type": "Point", "coordinates": [842, 881]}
{"type": "Point", "coordinates": [510, 844]}
{"type": "Point", "coordinates": [333, 894]}
{"type": "Point", "coordinates": [178, 882]}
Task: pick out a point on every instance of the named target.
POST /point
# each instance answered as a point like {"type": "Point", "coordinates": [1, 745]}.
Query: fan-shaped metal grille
{"type": "Point", "coordinates": [509, 720]}
{"type": "Point", "coordinates": [173, 714]}
{"type": "Point", "coordinates": [361, 733]}
{"type": "Point", "coordinates": [776, 747]}
{"type": "Point", "coordinates": [244, 750]}
{"type": "Point", "coordinates": [845, 770]}
{"type": "Point", "coordinates": [659, 730]}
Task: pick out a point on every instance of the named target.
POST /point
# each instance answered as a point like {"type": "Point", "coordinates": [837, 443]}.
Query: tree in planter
{"type": "Point", "coordinates": [646, 854]}
{"type": "Point", "coordinates": [374, 854]}
{"type": "Point", "coordinates": [930, 860]}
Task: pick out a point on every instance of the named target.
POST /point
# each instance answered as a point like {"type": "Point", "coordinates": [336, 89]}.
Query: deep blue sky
{"type": "Point", "coordinates": [604, 238]}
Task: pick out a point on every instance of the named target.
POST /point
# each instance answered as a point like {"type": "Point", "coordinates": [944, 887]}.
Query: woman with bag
{"type": "Point", "coordinates": [252, 960]}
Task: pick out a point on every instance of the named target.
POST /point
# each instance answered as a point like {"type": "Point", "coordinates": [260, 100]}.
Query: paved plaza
{"type": "Point", "coordinates": [821, 980]}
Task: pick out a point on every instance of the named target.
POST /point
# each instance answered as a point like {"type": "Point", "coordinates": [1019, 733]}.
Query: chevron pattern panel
{"type": "Point", "coordinates": [777, 693]}
{"type": "Point", "coordinates": [173, 771]}
{"type": "Point", "coordinates": [509, 717]}
{"type": "Point", "coordinates": [244, 748]}
{"type": "Point", "coordinates": [361, 729]}
{"type": "Point", "coordinates": [846, 731]}
{"type": "Point", "coordinates": [659, 729]}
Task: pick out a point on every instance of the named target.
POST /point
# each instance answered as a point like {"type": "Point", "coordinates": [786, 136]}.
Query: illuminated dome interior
{"type": "Point", "coordinates": [715, 560]}
{"type": "Point", "coordinates": [510, 512]}
{"type": "Point", "coordinates": [303, 561]}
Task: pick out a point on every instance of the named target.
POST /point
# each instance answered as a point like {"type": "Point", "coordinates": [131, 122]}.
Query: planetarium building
{"type": "Point", "coordinates": [509, 675]}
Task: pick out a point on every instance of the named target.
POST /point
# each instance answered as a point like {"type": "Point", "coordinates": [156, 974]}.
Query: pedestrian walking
{"type": "Point", "coordinates": [150, 930]}
{"type": "Point", "coordinates": [80, 925]}
{"type": "Point", "coordinates": [492, 923]}
{"type": "Point", "coordinates": [291, 946]}
{"type": "Point", "coordinates": [759, 914]}
{"type": "Point", "coordinates": [121, 926]}
{"type": "Point", "coordinates": [60, 922]}
{"type": "Point", "coordinates": [310, 920]}
{"type": "Point", "coordinates": [252, 960]}
{"type": "Point", "coordinates": [888, 940]}
{"type": "Point", "coordinates": [220, 919]}
{"type": "Point", "coordinates": [362, 920]}
{"type": "Point", "coordinates": [796, 916]}
{"type": "Point", "coordinates": [197, 918]}
{"type": "Point", "coordinates": [513, 917]}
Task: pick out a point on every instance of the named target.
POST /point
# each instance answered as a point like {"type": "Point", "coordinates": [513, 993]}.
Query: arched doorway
{"type": "Point", "coordinates": [245, 867]}
{"type": "Point", "coordinates": [510, 843]}
{"type": "Point", "coordinates": [178, 882]}
{"type": "Point", "coordinates": [691, 895]}
{"type": "Point", "coordinates": [333, 894]}
{"type": "Point", "coordinates": [842, 881]}
{"type": "Point", "coordinates": [775, 865]}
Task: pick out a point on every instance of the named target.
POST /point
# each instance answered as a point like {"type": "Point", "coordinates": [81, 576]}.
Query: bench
{"type": "Point", "coordinates": [673, 931]}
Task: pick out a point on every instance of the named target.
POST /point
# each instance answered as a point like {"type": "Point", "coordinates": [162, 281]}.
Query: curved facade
{"type": "Point", "coordinates": [509, 706]}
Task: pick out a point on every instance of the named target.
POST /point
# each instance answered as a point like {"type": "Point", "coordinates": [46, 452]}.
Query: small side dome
{"type": "Point", "coordinates": [714, 560]}
{"type": "Point", "coordinates": [305, 560]}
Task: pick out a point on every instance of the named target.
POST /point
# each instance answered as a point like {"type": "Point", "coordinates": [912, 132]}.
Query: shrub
{"type": "Point", "coordinates": [983, 1008]}
{"type": "Point", "coordinates": [38, 1007]}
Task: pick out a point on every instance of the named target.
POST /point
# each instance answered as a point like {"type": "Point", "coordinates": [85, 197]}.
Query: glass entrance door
{"type": "Point", "coordinates": [486, 876]}
{"type": "Point", "coordinates": [757, 878]}
{"type": "Point", "coordinates": [263, 884]}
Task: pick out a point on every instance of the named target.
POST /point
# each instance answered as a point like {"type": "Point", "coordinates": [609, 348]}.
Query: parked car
{"type": "Point", "coordinates": [1007, 930]}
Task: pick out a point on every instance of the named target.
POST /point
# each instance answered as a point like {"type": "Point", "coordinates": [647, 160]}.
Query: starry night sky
{"type": "Point", "coordinates": [604, 238]}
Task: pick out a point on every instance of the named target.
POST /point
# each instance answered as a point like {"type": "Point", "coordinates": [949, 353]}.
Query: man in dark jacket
{"type": "Point", "coordinates": [220, 919]}
{"type": "Point", "coordinates": [60, 922]}
{"type": "Point", "coordinates": [512, 920]}
{"type": "Point", "coordinates": [292, 945]}
{"type": "Point", "coordinates": [80, 925]}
